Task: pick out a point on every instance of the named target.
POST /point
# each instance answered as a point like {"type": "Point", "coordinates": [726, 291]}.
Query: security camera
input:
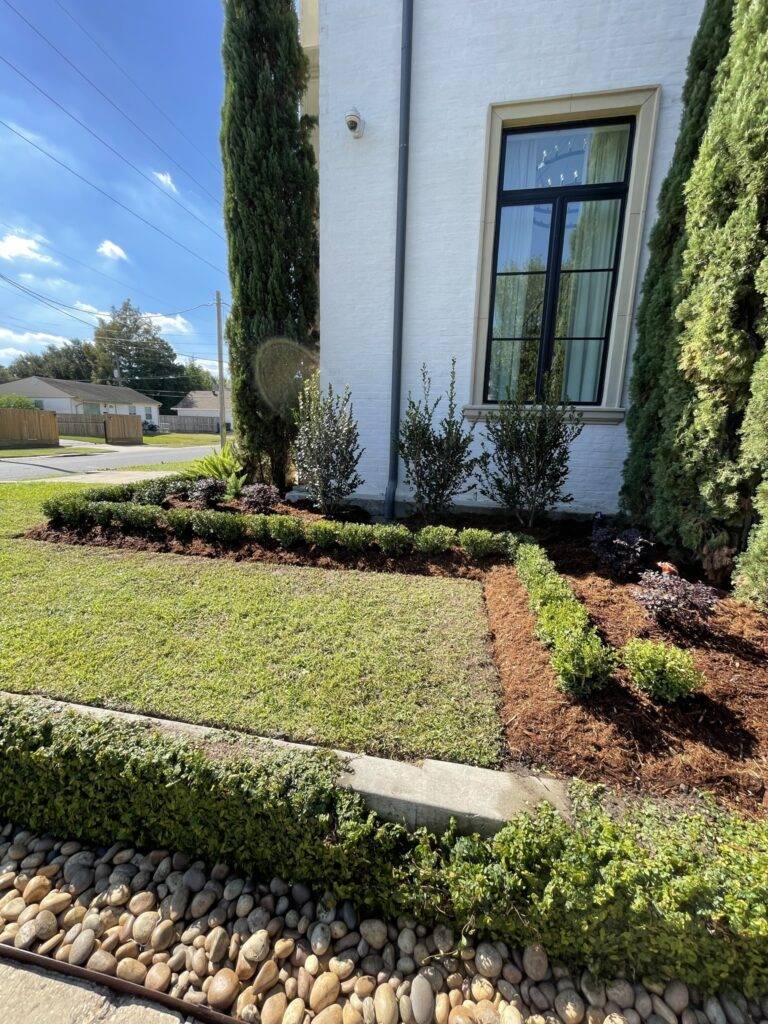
{"type": "Point", "coordinates": [355, 123]}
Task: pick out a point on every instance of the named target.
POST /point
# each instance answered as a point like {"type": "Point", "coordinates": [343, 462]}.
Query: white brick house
{"type": "Point", "coordinates": [539, 136]}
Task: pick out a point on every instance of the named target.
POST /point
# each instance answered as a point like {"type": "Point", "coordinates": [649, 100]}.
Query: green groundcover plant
{"type": "Point", "coordinates": [652, 892]}
{"type": "Point", "coordinates": [662, 670]}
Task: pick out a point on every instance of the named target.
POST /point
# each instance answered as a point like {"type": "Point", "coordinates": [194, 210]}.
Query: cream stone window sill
{"type": "Point", "coordinates": [588, 413]}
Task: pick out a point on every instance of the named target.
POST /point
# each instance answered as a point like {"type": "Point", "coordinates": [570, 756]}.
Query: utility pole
{"type": "Point", "coordinates": [222, 397]}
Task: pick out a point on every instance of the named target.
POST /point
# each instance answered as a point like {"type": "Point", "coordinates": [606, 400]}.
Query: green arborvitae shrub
{"type": "Point", "coordinates": [482, 543]}
{"type": "Point", "coordinates": [270, 206]}
{"type": "Point", "coordinates": [286, 531]}
{"type": "Point", "coordinates": [652, 891]}
{"type": "Point", "coordinates": [321, 533]}
{"type": "Point", "coordinates": [703, 490]}
{"type": "Point", "coordinates": [752, 568]}
{"type": "Point", "coordinates": [435, 540]}
{"type": "Point", "coordinates": [393, 540]}
{"type": "Point", "coordinates": [665, 672]}
{"type": "Point", "coordinates": [751, 576]}
{"type": "Point", "coordinates": [327, 449]}
{"type": "Point", "coordinates": [579, 657]}
{"type": "Point", "coordinates": [656, 349]}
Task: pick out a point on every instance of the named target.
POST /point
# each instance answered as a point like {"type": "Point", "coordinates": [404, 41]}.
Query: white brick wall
{"type": "Point", "coordinates": [467, 54]}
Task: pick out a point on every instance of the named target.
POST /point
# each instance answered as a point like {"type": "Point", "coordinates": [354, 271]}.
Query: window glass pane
{"type": "Point", "coordinates": [591, 229]}
{"type": "Point", "coordinates": [548, 158]}
{"type": "Point", "coordinates": [518, 305]}
{"type": "Point", "coordinates": [513, 364]}
{"type": "Point", "coordinates": [524, 237]}
{"type": "Point", "coordinates": [582, 305]}
{"type": "Point", "coordinates": [578, 363]}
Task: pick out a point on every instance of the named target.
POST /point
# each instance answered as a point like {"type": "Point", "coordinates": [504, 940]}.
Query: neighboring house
{"type": "Point", "coordinates": [75, 396]}
{"type": "Point", "coordinates": [206, 404]}
{"type": "Point", "coordinates": [539, 137]}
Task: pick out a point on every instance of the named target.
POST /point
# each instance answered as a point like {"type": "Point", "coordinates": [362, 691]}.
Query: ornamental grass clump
{"type": "Point", "coordinates": [437, 457]}
{"type": "Point", "coordinates": [665, 672]}
{"type": "Point", "coordinates": [327, 449]}
{"type": "Point", "coordinates": [435, 540]}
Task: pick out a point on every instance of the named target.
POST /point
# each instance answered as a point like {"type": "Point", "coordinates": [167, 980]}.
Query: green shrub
{"type": "Point", "coordinates": [154, 492]}
{"type": "Point", "coordinates": [752, 567]}
{"type": "Point", "coordinates": [102, 513]}
{"type": "Point", "coordinates": [286, 530]}
{"type": "Point", "coordinates": [665, 672]}
{"type": "Point", "coordinates": [109, 492]}
{"type": "Point", "coordinates": [580, 659]}
{"type": "Point", "coordinates": [225, 528]}
{"type": "Point", "coordinates": [321, 532]}
{"type": "Point", "coordinates": [16, 402]}
{"type": "Point", "coordinates": [219, 465]}
{"type": "Point", "coordinates": [482, 543]}
{"type": "Point", "coordinates": [435, 540]}
{"type": "Point", "coordinates": [70, 510]}
{"type": "Point", "coordinates": [393, 540]}
{"type": "Point", "coordinates": [258, 527]}
{"type": "Point", "coordinates": [651, 890]}
{"type": "Point", "coordinates": [179, 522]}
{"type": "Point", "coordinates": [355, 537]}
{"type": "Point", "coordinates": [140, 519]}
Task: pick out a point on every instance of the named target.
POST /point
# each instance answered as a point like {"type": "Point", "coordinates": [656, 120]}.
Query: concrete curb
{"type": "Point", "coordinates": [427, 793]}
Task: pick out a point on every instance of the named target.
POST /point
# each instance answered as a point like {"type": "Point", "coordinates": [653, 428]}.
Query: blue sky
{"type": "Point", "coordinates": [48, 216]}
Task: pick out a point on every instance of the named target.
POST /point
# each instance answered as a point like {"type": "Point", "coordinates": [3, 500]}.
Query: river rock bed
{"type": "Point", "coordinates": [274, 953]}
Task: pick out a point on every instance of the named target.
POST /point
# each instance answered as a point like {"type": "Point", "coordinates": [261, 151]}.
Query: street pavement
{"type": "Point", "coordinates": [41, 467]}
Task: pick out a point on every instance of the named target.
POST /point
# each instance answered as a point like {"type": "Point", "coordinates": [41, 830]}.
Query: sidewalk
{"type": "Point", "coordinates": [32, 996]}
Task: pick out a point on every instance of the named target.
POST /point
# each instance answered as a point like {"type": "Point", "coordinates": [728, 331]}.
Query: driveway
{"type": "Point", "coordinates": [39, 467]}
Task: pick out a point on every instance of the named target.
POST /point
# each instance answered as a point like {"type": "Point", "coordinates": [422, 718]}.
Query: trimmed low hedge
{"type": "Point", "coordinates": [129, 506]}
{"type": "Point", "coordinates": [677, 894]}
{"type": "Point", "coordinates": [582, 661]}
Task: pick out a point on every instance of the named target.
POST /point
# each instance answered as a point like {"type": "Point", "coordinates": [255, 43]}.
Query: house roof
{"type": "Point", "coordinates": [88, 392]}
{"type": "Point", "coordinates": [204, 401]}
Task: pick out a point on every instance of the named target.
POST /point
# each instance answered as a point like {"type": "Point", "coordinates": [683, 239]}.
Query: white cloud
{"type": "Point", "coordinates": [211, 365]}
{"type": "Point", "coordinates": [31, 338]}
{"type": "Point", "coordinates": [51, 284]}
{"type": "Point", "coordinates": [111, 250]}
{"type": "Point", "coordinates": [19, 247]}
{"type": "Point", "coordinates": [86, 307]}
{"type": "Point", "coordinates": [173, 324]}
{"type": "Point", "coordinates": [11, 353]}
{"type": "Point", "coordinates": [165, 180]}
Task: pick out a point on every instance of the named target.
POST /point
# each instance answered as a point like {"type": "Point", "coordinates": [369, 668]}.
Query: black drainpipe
{"type": "Point", "coordinates": [402, 209]}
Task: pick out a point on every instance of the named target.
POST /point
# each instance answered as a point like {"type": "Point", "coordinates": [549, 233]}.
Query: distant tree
{"type": "Point", "coordinates": [270, 199]}
{"type": "Point", "coordinates": [5, 375]}
{"type": "Point", "coordinates": [128, 350]}
{"type": "Point", "coordinates": [200, 379]}
{"type": "Point", "coordinates": [16, 402]}
{"type": "Point", "coordinates": [74, 360]}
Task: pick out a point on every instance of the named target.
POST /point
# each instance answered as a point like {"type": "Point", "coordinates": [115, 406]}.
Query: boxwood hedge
{"type": "Point", "coordinates": [665, 894]}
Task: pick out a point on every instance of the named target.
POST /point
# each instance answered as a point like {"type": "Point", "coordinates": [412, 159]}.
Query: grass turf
{"type": "Point", "coordinates": [83, 437]}
{"type": "Point", "coordinates": [181, 440]}
{"type": "Point", "coordinates": [25, 453]}
{"type": "Point", "coordinates": [393, 665]}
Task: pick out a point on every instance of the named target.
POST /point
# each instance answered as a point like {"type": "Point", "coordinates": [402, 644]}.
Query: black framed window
{"type": "Point", "coordinates": [559, 218]}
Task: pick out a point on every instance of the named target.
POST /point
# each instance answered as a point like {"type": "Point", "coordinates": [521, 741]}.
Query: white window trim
{"type": "Point", "coordinates": [643, 104]}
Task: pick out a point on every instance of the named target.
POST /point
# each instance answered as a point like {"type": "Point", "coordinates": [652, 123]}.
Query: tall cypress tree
{"type": "Point", "coordinates": [703, 489]}
{"type": "Point", "coordinates": [657, 346]}
{"type": "Point", "coordinates": [270, 198]}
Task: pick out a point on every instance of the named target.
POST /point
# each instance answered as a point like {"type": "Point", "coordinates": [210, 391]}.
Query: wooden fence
{"type": "Point", "coordinates": [113, 427]}
{"type": "Point", "coordinates": [27, 428]}
{"type": "Point", "coordinates": [189, 424]}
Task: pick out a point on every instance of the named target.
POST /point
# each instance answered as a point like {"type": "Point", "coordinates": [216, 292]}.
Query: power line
{"type": "Point", "coordinates": [108, 99]}
{"type": "Point", "coordinates": [128, 209]}
{"type": "Point", "coordinates": [111, 148]}
{"type": "Point", "coordinates": [136, 85]}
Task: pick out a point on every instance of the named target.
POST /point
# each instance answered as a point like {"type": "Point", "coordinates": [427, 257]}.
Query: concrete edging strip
{"type": "Point", "coordinates": [427, 793]}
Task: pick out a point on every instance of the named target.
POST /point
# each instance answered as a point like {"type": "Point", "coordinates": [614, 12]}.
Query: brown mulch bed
{"type": "Point", "coordinates": [716, 741]}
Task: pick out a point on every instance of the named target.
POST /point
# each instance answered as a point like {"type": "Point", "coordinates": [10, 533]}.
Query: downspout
{"type": "Point", "coordinates": [402, 210]}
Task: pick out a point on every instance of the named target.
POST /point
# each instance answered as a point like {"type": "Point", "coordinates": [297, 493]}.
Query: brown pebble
{"type": "Point", "coordinates": [158, 977]}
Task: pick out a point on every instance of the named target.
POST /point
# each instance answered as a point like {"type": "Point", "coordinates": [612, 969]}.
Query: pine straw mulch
{"type": "Point", "coordinates": [716, 741]}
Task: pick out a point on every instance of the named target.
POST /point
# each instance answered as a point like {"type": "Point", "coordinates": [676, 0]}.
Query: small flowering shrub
{"type": "Point", "coordinates": [481, 543]}
{"type": "Point", "coordinates": [260, 498]}
{"type": "Point", "coordinates": [435, 540]}
{"type": "Point", "coordinates": [665, 672]}
{"type": "Point", "coordinates": [622, 553]}
{"type": "Point", "coordinates": [393, 540]}
{"type": "Point", "coordinates": [207, 491]}
{"type": "Point", "coordinates": [673, 601]}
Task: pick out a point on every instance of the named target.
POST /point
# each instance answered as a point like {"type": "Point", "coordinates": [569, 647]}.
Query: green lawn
{"type": "Point", "coordinates": [24, 453]}
{"type": "Point", "coordinates": [181, 440]}
{"type": "Point", "coordinates": [393, 665]}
